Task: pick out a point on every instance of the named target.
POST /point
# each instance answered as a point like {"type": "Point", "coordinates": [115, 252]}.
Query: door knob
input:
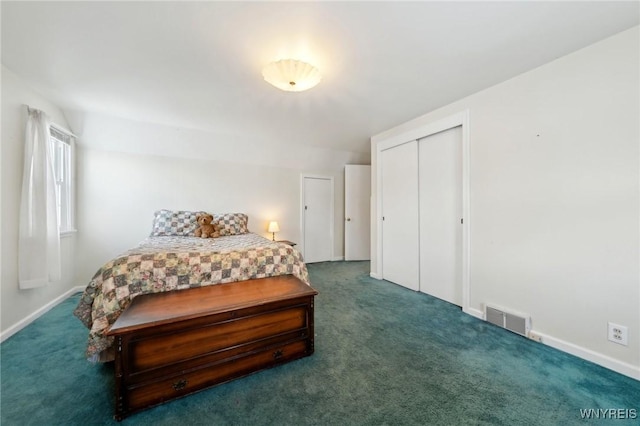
{"type": "Point", "coordinates": [348, 219]}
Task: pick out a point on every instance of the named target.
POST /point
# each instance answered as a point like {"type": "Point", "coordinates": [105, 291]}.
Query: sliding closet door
{"type": "Point", "coordinates": [400, 243]}
{"type": "Point", "coordinates": [440, 158]}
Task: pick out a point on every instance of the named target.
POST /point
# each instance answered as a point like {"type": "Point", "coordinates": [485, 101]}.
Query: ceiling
{"type": "Point", "coordinates": [198, 64]}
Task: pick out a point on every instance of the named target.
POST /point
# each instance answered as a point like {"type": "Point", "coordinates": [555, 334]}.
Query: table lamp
{"type": "Point", "coordinates": [273, 228]}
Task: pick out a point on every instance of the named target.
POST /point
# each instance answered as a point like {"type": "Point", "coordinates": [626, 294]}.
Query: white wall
{"type": "Point", "coordinates": [554, 198]}
{"type": "Point", "coordinates": [16, 304]}
{"type": "Point", "coordinates": [129, 169]}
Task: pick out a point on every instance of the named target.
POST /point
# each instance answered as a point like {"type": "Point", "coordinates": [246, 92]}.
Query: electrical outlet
{"type": "Point", "coordinates": [618, 334]}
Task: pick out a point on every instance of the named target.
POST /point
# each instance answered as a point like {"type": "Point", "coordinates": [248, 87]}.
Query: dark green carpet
{"type": "Point", "coordinates": [384, 355]}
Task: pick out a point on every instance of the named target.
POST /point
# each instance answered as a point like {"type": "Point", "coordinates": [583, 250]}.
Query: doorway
{"type": "Point", "coordinates": [357, 212]}
{"type": "Point", "coordinates": [387, 144]}
{"type": "Point", "coordinates": [317, 218]}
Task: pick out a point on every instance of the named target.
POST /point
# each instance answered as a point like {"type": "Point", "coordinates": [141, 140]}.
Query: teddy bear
{"type": "Point", "coordinates": [206, 228]}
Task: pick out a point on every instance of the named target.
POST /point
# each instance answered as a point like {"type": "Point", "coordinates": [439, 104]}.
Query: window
{"type": "Point", "coordinates": [62, 149]}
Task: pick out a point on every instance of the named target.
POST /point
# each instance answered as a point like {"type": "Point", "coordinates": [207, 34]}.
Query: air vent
{"type": "Point", "coordinates": [511, 321]}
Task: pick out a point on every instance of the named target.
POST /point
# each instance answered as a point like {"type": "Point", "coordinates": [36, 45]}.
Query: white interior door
{"type": "Point", "coordinates": [357, 212]}
{"type": "Point", "coordinates": [400, 242]}
{"type": "Point", "coordinates": [317, 218]}
{"type": "Point", "coordinates": [440, 165]}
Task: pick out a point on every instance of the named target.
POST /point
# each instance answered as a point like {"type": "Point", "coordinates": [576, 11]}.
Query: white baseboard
{"type": "Point", "coordinates": [629, 370]}
{"type": "Point", "coordinates": [578, 351]}
{"type": "Point", "coordinates": [374, 275]}
{"type": "Point", "coordinates": [4, 335]}
{"type": "Point", "coordinates": [474, 313]}
{"type": "Point", "coordinates": [337, 259]}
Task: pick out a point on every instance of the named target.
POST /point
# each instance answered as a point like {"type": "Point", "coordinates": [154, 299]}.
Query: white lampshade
{"type": "Point", "coordinates": [291, 75]}
{"type": "Point", "coordinates": [273, 227]}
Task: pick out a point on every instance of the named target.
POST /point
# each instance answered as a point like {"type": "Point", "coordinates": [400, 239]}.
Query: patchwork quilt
{"type": "Point", "coordinates": [165, 263]}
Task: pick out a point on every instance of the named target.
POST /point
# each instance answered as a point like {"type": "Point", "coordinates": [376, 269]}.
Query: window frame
{"type": "Point", "coordinates": [62, 143]}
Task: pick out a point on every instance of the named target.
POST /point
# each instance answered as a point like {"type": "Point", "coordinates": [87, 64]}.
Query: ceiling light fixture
{"type": "Point", "coordinates": [291, 75]}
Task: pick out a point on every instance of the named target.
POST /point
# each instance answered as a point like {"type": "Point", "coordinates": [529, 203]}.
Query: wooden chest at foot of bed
{"type": "Point", "coordinates": [172, 344]}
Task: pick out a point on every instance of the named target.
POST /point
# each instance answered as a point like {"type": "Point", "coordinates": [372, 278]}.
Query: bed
{"type": "Point", "coordinates": [172, 258]}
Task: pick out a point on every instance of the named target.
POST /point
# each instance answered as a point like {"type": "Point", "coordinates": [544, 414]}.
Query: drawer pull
{"type": "Point", "coordinates": [278, 354]}
{"type": "Point", "coordinates": [179, 385]}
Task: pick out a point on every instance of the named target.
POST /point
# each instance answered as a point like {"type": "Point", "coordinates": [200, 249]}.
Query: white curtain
{"type": "Point", "coordinates": [39, 237]}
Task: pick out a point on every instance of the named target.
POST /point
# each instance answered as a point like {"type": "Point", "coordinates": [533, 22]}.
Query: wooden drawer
{"type": "Point", "coordinates": [167, 348]}
{"type": "Point", "coordinates": [172, 344]}
{"type": "Point", "coordinates": [145, 395]}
